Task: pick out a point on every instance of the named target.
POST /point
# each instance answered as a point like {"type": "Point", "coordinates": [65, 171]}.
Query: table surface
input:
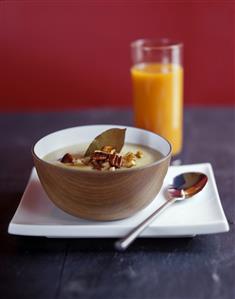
{"type": "Point", "coordinates": [199, 267]}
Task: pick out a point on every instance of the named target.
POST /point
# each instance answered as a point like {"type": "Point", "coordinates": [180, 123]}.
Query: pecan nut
{"type": "Point", "coordinates": [96, 164]}
{"type": "Point", "coordinates": [99, 156]}
{"type": "Point", "coordinates": [115, 160]}
{"type": "Point", "coordinates": [67, 158]}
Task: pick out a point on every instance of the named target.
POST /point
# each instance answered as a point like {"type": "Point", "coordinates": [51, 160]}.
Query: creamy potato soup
{"type": "Point", "coordinates": [106, 159]}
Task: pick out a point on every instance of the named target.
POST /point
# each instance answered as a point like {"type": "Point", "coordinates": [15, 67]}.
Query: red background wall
{"type": "Point", "coordinates": [71, 54]}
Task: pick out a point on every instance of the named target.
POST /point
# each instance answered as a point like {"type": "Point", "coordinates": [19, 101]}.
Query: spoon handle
{"type": "Point", "coordinates": [124, 242]}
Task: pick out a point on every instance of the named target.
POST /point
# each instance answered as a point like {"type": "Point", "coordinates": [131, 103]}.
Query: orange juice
{"type": "Point", "coordinates": [158, 100]}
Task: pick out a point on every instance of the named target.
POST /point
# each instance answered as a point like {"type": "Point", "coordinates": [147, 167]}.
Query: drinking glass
{"type": "Point", "coordinates": [157, 80]}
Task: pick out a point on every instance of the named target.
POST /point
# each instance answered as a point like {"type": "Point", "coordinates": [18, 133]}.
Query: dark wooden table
{"type": "Point", "coordinates": [40, 268]}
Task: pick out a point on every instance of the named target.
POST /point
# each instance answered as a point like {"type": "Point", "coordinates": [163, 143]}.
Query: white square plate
{"type": "Point", "coordinates": [202, 214]}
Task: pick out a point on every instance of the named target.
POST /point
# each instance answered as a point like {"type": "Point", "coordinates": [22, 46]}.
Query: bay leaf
{"type": "Point", "coordinates": [113, 137]}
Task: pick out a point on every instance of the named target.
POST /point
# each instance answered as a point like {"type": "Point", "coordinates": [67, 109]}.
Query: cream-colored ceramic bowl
{"type": "Point", "coordinates": [100, 195]}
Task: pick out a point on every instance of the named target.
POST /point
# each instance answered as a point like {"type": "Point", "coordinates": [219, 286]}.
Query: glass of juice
{"type": "Point", "coordinates": [157, 79]}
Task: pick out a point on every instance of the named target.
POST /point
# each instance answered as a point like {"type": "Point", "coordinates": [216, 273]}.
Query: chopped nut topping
{"type": "Point", "coordinates": [99, 156]}
{"type": "Point", "coordinates": [115, 160]}
{"type": "Point", "coordinates": [96, 164]}
{"type": "Point", "coordinates": [129, 160]}
{"type": "Point", "coordinates": [67, 158]}
{"type": "Point", "coordinates": [130, 164]}
{"type": "Point", "coordinates": [139, 154]}
{"type": "Point", "coordinates": [105, 159]}
{"type": "Point", "coordinates": [129, 156]}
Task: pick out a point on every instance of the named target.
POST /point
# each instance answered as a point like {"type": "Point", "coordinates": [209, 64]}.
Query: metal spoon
{"type": "Point", "coordinates": [184, 186]}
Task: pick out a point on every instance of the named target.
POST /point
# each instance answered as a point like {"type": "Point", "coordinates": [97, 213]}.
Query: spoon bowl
{"type": "Point", "coordinates": [186, 185]}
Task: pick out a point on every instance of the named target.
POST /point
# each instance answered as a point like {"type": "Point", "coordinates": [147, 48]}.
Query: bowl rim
{"type": "Point", "coordinates": [133, 169]}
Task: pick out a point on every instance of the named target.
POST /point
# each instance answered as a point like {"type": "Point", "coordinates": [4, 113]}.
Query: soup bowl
{"type": "Point", "coordinates": [100, 195]}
